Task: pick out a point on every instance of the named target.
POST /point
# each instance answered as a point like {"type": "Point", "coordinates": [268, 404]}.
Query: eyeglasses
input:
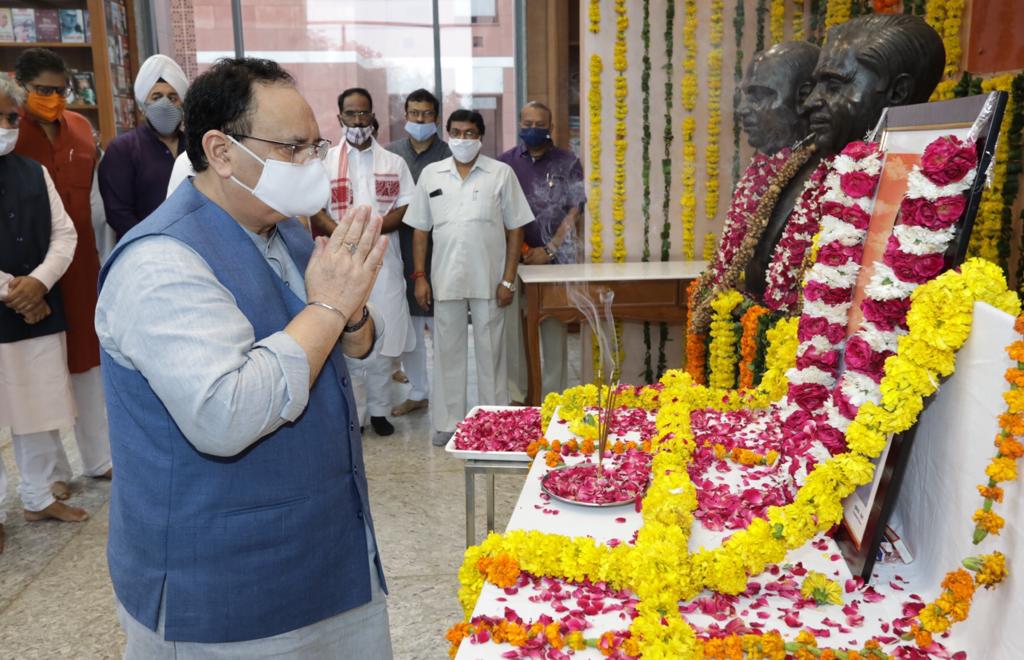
{"type": "Point", "coordinates": [12, 119]}
{"type": "Point", "coordinates": [356, 114]}
{"type": "Point", "coordinates": [429, 115]}
{"type": "Point", "coordinates": [297, 153]}
{"type": "Point", "coordinates": [464, 135]}
{"type": "Point", "coordinates": [47, 90]}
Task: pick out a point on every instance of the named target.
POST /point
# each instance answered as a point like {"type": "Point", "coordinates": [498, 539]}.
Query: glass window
{"type": "Point", "coordinates": [481, 77]}
{"type": "Point", "coordinates": [386, 46]}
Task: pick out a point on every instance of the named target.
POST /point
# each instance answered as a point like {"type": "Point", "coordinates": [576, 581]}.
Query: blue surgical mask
{"type": "Point", "coordinates": [534, 137]}
{"type": "Point", "coordinates": [421, 132]}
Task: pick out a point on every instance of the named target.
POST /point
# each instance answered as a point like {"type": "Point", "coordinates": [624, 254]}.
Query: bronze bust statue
{"type": "Point", "coordinates": [867, 64]}
{"type": "Point", "coordinates": [776, 82]}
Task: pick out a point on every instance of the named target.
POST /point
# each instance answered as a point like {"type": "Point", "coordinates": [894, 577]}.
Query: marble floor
{"type": "Point", "coordinates": [55, 595]}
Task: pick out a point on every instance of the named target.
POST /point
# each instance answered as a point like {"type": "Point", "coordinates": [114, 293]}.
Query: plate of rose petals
{"type": "Point", "coordinates": [621, 480]}
{"type": "Point", "coordinates": [496, 433]}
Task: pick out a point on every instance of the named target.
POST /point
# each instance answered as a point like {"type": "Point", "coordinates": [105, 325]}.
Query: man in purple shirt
{"type": "Point", "coordinates": [136, 168]}
{"type": "Point", "coordinates": [552, 179]}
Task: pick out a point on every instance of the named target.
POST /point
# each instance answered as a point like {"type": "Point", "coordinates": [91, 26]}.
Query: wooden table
{"type": "Point", "coordinates": [652, 291]}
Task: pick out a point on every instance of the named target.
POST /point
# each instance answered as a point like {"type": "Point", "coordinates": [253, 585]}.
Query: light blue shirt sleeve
{"type": "Point", "coordinates": [163, 313]}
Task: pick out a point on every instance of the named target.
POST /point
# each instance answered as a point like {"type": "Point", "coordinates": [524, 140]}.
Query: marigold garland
{"type": "Point", "coordinates": [1003, 466]}
{"type": "Point", "coordinates": [738, 22]}
{"type": "Point", "coordinates": [760, 11]}
{"type": "Point", "coordinates": [751, 322]}
{"type": "Point", "coordinates": [798, 20]}
{"type": "Point", "coordinates": [712, 154]}
{"type": "Point", "coordinates": [645, 168]}
{"type": "Point", "coordinates": [621, 113]}
{"type": "Point", "coordinates": [596, 142]}
{"type": "Point", "coordinates": [595, 16]}
{"type": "Point", "coordinates": [777, 21]}
{"type": "Point", "coordinates": [723, 340]}
{"type": "Point", "coordinates": [696, 364]}
{"type": "Point", "coordinates": [838, 12]}
{"type": "Point", "coordinates": [688, 95]}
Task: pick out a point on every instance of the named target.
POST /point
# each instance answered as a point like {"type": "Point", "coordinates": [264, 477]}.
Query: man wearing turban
{"type": "Point", "coordinates": [133, 174]}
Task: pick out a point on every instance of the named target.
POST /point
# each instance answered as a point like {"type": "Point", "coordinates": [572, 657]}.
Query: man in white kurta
{"type": "Point", "coordinates": [363, 172]}
{"type": "Point", "coordinates": [36, 400]}
{"type": "Point", "coordinates": [470, 202]}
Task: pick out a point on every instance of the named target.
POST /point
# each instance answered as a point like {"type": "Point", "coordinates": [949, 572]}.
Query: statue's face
{"type": "Point", "coordinates": [847, 98]}
{"type": "Point", "coordinates": [768, 107]}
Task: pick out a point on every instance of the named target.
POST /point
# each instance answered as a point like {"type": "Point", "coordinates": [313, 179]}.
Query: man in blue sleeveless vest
{"type": "Point", "coordinates": [239, 518]}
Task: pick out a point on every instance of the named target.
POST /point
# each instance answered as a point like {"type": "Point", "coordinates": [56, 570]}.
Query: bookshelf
{"type": "Point", "coordinates": [102, 58]}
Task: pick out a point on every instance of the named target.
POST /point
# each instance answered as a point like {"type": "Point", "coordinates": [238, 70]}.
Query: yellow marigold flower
{"type": "Point", "coordinates": [502, 571]}
{"type": "Point", "coordinates": [1012, 423]}
{"type": "Point", "coordinates": [1010, 447]}
{"type": "Point", "coordinates": [990, 522]}
{"type": "Point", "coordinates": [1015, 376]}
{"type": "Point", "coordinates": [960, 584]}
{"type": "Point", "coordinates": [821, 589]}
{"type": "Point", "coordinates": [989, 570]}
{"type": "Point", "coordinates": [933, 620]}
{"type": "Point", "coordinates": [1014, 400]}
{"type": "Point", "coordinates": [922, 637]}
{"type": "Point", "coordinates": [1002, 469]}
{"type": "Point", "coordinates": [994, 493]}
{"type": "Point", "coordinates": [1016, 351]}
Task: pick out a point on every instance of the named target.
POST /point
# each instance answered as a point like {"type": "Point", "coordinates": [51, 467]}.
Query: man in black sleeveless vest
{"type": "Point", "coordinates": [37, 241]}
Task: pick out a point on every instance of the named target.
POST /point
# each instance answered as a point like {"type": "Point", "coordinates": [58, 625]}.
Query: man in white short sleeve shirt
{"type": "Point", "coordinates": [476, 210]}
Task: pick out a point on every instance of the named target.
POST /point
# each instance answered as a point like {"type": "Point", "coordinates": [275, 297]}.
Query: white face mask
{"type": "Point", "coordinates": [8, 138]}
{"type": "Point", "coordinates": [289, 188]}
{"type": "Point", "coordinates": [464, 151]}
{"type": "Point", "coordinates": [357, 135]}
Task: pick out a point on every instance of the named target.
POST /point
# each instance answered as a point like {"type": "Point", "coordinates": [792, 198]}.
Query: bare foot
{"type": "Point", "coordinates": [2, 539]}
{"type": "Point", "coordinates": [108, 475]}
{"type": "Point", "coordinates": [60, 490]}
{"type": "Point", "coordinates": [407, 407]}
{"type": "Point", "coordinates": [399, 377]}
{"type": "Point", "coordinates": [58, 511]}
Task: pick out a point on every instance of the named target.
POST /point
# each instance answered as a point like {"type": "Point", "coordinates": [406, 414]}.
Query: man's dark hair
{"type": "Point", "coordinates": [466, 115]}
{"type": "Point", "coordinates": [221, 99]}
{"type": "Point", "coordinates": [35, 61]}
{"type": "Point", "coordinates": [899, 43]}
{"type": "Point", "coordinates": [349, 92]}
{"type": "Point", "coordinates": [423, 96]}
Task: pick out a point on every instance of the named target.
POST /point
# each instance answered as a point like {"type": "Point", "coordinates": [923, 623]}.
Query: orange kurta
{"type": "Point", "coordinates": [71, 161]}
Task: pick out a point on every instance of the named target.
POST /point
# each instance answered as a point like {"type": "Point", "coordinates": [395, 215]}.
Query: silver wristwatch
{"type": "Point", "coordinates": [508, 285]}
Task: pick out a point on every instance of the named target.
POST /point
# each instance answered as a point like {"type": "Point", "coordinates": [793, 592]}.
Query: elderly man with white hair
{"type": "Point", "coordinates": [134, 173]}
{"type": "Point", "coordinates": [37, 242]}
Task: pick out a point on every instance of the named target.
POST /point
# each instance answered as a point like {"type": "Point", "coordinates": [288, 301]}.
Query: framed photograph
{"type": "Point", "coordinates": [904, 133]}
{"type": "Point", "coordinates": [6, 24]}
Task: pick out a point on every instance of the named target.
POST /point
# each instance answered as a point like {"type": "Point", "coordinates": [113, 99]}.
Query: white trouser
{"type": "Point", "coordinates": [554, 373]}
{"type": "Point", "coordinates": [92, 433]}
{"type": "Point", "coordinates": [415, 361]}
{"type": "Point", "coordinates": [371, 383]}
{"type": "Point", "coordinates": [451, 346]}
{"type": "Point", "coordinates": [38, 456]}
